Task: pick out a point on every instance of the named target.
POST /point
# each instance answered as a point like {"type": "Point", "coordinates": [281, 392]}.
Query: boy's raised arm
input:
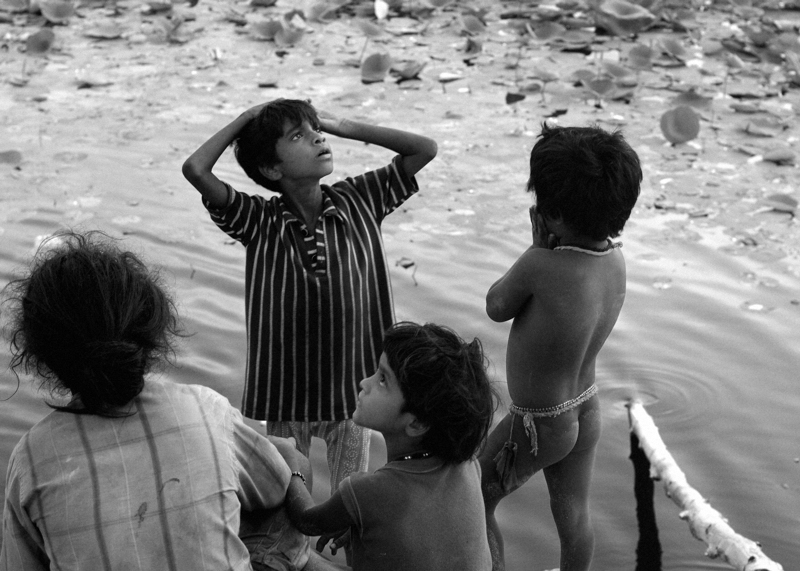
{"type": "Point", "coordinates": [417, 150]}
{"type": "Point", "coordinates": [197, 168]}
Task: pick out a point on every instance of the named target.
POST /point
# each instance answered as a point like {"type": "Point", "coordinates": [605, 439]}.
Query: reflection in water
{"type": "Point", "coordinates": [648, 548]}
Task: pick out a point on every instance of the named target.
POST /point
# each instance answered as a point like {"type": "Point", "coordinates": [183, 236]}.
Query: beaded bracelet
{"type": "Point", "coordinates": [300, 475]}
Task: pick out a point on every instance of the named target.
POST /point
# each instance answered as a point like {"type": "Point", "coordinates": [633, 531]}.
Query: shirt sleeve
{"type": "Point", "coordinates": [242, 217]}
{"type": "Point", "coordinates": [384, 189]}
{"type": "Point", "coordinates": [360, 492]}
{"type": "Point", "coordinates": [262, 472]}
{"type": "Point", "coordinates": [23, 545]}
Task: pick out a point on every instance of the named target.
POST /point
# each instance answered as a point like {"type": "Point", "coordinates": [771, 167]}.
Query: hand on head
{"type": "Point", "coordinates": [328, 122]}
{"type": "Point", "coordinates": [253, 112]}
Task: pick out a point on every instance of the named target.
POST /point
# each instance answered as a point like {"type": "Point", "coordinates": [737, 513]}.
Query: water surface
{"type": "Point", "coordinates": [707, 339]}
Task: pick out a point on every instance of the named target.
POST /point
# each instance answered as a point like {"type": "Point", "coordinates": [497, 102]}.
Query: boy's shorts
{"type": "Point", "coordinates": [348, 444]}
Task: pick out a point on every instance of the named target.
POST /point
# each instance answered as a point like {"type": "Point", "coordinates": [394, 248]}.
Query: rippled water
{"type": "Point", "coordinates": [708, 338]}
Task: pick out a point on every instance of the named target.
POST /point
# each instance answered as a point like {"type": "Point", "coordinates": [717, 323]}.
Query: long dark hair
{"type": "Point", "coordinates": [90, 320]}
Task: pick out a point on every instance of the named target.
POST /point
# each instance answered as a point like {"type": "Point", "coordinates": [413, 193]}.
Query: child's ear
{"type": "Point", "coordinates": [416, 428]}
{"type": "Point", "coordinates": [272, 173]}
{"type": "Point", "coordinates": [559, 219]}
{"type": "Point", "coordinates": [555, 224]}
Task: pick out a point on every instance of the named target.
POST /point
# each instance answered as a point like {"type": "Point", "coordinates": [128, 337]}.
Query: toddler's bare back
{"type": "Point", "coordinates": [557, 334]}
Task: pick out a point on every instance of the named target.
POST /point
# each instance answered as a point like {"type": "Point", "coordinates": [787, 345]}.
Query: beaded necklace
{"type": "Point", "coordinates": [592, 252]}
{"type": "Point", "coordinates": [413, 456]}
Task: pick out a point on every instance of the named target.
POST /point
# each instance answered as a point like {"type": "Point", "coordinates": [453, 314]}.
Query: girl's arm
{"type": "Point", "coordinates": [417, 150]}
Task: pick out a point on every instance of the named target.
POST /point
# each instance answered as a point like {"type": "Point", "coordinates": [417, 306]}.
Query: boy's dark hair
{"type": "Point", "coordinates": [444, 383]}
{"type": "Point", "coordinates": [588, 176]}
{"type": "Point", "coordinates": [90, 320]}
{"type": "Point", "coordinates": [255, 146]}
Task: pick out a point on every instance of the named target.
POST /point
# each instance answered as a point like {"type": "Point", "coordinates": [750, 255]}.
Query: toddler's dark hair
{"type": "Point", "coordinates": [255, 146]}
{"type": "Point", "coordinates": [90, 320]}
{"type": "Point", "coordinates": [444, 383]}
{"type": "Point", "coordinates": [588, 176]}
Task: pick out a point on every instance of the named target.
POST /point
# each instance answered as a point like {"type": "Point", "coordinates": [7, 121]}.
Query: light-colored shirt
{"type": "Point", "coordinates": [161, 489]}
{"type": "Point", "coordinates": [418, 514]}
{"type": "Point", "coordinates": [317, 300]}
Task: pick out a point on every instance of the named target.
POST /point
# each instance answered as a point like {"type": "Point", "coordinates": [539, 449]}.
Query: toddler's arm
{"type": "Point", "coordinates": [417, 150]}
{"type": "Point", "coordinates": [197, 168]}
{"type": "Point", "coordinates": [311, 519]}
{"type": "Point", "coordinates": [510, 293]}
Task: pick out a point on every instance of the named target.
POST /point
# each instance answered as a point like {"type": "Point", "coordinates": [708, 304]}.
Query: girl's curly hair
{"type": "Point", "coordinates": [90, 320]}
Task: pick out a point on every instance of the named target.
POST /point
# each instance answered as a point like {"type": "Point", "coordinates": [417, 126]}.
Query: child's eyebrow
{"type": "Point", "coordinates": [293, 129]}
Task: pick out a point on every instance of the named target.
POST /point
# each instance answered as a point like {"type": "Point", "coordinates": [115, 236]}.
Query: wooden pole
{"type": "Point", "coordinates": [705, 523]}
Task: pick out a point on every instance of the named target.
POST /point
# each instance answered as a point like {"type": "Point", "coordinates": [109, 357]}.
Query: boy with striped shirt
{"type": "Point", "coordinates": [318, 297]}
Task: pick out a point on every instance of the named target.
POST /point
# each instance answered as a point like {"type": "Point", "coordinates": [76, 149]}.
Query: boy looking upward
{"type": "Point", "coordinates": [564, 294]}
{"type": "Point", "coordinates": [318, 297]}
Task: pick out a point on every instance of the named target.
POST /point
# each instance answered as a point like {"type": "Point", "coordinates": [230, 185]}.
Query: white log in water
{"type": "Point", "coordinates": [706, 523]}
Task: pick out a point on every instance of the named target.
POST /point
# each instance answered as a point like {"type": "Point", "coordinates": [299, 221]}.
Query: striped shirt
{"type": "Point", "coordinates": [318, 300]}
{"type": "Point", "coordinates": [160, 489]}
